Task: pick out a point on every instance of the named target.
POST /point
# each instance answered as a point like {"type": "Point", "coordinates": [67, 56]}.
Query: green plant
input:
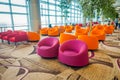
{"type": "Point", "coordinates": [101, 6]}
{"type": "Point", "coordinates": [64, 6]}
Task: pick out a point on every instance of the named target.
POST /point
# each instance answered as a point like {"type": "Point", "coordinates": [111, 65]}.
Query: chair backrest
{"type": "Point", "coordinates": [49, 41]}
{"type": "Point", "coordinates": [74, 45]}
{"type": "Point", "coordinates": [65, 37]}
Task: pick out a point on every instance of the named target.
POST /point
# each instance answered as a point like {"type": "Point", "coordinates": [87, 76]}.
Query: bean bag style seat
{"type": "Point", "coordinates": [48, 47]}
{"type": "Point", "coordinates": [61, 29]}
{"type": "Point", "coordinates": [81, 32]}
{"type": "Point", "coordinates": [100, 34]}
{"type": "Point", "coordinates": [33, 36]}
{"type": "Point", "coordinates": [109, 29]}
{"type": "Point", "coordinates": [53, 31]}
{"type": "Point", "coordinates": [91, 41]}
{"type": "Point", "coordinates": [73, 53]}
{"type": "Point", "coordinates": [65, 37]}
{"type": "Point", "coordinates": [44, 31]}
{"type": "Point", "coordinates": [77, 27]}
{"type": "Point", "coordinates": [68, 29]}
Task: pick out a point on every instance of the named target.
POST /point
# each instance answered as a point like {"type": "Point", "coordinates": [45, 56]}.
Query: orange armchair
{"type": "Point", "coordinates": [65, 37]}
{"type": "Point", "coordinates": [33, 36]}
{"type": "Point", "coordinates": [91, 41]}
{"type": "Point", "coordinates": [77, 27]}
{"type": "Point", "coordinates": [61, 29]}
{"type": "Point", "coordinates": [53, 31]}
{"type": "Point", "coordinates": [109, 29]}
{"type": "Point", "coordinates": [98, 33]}
{"type": "Point", "coordinates": [44, 31]}
{"type": "Point", "coordinates": [81, 32]}
{"type": "Point", "coordinates": [68, 29]}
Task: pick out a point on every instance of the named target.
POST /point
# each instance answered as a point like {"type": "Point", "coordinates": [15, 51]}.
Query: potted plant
{"type": "Point", "coordinates": [88, 8]}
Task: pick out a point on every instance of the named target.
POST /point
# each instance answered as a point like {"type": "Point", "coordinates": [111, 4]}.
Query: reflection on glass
{"type": "Point", "coordinates": [19, 9]}
{"type": "Point", "coordinates": [4, 8]}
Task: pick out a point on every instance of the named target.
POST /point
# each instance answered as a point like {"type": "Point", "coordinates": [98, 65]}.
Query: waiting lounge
{"type": "Point", "coordinates": [57, 40]}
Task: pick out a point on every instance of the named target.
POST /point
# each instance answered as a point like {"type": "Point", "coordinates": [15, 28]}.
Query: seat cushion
{"type": "Point", "coordinates": [45, 47]}
{"type": "Point", "coordinates": [70, 52]}
{"type": "Point", "coordinates": [12, 39]}
{"type": "Point", "coordinates": [5, 37]}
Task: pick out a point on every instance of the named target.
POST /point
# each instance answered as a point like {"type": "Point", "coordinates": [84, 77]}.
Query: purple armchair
{"type": "Point", "coordinates": [73, 53]}
{"type": "Point", "coordinates": [48, 47]}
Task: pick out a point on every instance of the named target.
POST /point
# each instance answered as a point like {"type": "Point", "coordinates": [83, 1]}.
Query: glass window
{"type": "Point", "coordinates": [52, 7]}
{"type": "Point", "coordinates": [44, 19]}
{"type": "Point", "coordinates": [52, 12]}
{"type": "Point", "coordinates": [44, 12]}
{"type": "Point", "coordinates": [59, 13]}
{"type": "Point", "coordinates": [20, 20]}
{"type": "Point", "coordinates": [43, 0]}
{"type": "Point", "coordinates": [21, 2]}
{"type": "Point", "coordinates": [52, 1]}
{"type": "Point", "coordinates": [4, 1]}
{"type": "Point", "coordinates": [52, 19]}
{"type": "Point", "coordinates": [43, 5]}
{"type": "Point", "coordinates": [22, 27]}
{"type": "Point", "coordinates": [6, 19]}
{"type": "Point", "coordinates": [19, 9]}
{"type": "Point", "coordinates": [4, 8]}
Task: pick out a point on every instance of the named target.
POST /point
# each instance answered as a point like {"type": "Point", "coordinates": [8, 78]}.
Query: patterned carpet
{"type": "Point", "coordinates": [22, 63]}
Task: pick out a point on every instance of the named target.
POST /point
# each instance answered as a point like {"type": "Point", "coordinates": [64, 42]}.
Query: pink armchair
{"type": "Point", "coordinates": [74, 53]}
{"type": "Point", "coordinates": [48, 47]}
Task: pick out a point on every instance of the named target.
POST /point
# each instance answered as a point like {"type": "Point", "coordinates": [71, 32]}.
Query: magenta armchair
{"type": "Point", "coordinates": [16, 36]}
{"type": "Point", "coordinates": [48, 47]}
{"type": "Point", "coordinates": [2, 34]}
{"type": "Point", "coordinates": [73, 53]}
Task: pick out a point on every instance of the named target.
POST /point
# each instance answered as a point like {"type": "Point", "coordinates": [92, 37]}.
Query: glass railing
{"type": "Point", "coordinates": [5, 27]}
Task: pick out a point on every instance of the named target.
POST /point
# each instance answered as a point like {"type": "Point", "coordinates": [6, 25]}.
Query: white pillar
{"type": "Point", "coordinates": [35, 15]}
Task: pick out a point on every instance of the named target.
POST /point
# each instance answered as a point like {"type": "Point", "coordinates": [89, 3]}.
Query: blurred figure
{"type": "Point", "coordinates": [112, 22]}
{"type": "Point", "coordinates": [119, 23]}
{"type": "Point", "coordinates": [109, 22]}
{"type": "Point", "coordinates": [116, 23]}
